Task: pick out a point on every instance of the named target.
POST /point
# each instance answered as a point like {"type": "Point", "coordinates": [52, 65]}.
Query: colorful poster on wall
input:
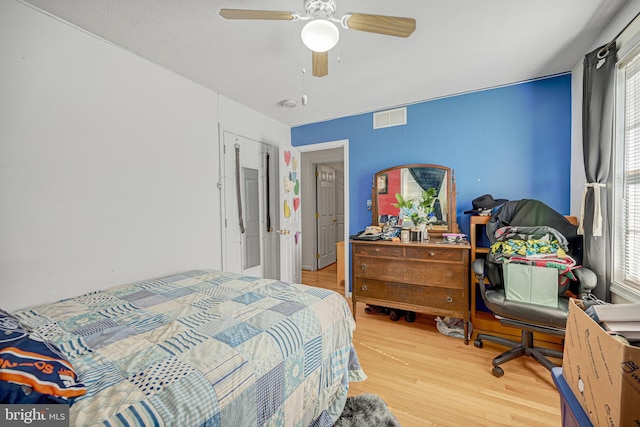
{"type": "Point", "coordinates": [291, 186]}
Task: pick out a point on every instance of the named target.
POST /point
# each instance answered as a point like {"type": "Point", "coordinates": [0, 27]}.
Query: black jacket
{"type": "Point", "coordinates": [530, 213]}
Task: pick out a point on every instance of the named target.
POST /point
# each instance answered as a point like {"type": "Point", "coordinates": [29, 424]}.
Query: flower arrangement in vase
{"type": "Point", "coordinates": [418, 212]}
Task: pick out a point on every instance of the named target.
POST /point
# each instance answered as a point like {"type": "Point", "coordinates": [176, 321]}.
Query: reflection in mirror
{"type": "Point", "coordinates": [398, 187]}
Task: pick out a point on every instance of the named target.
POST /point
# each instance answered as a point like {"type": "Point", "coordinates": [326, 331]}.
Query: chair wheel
{"type": "Point", "coordinates": [497, 372]}
{"type": "Point", "coordinates": [478, 343]}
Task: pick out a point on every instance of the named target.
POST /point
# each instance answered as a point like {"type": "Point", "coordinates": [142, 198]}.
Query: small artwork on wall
{"type": "Point", "coordinates": [382, 184]}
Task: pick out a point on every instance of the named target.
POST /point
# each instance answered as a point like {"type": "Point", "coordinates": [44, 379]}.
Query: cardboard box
{"type": "Point", "coordinates": [603, 373]}
{"type": "Point", "coordinates": [531, 284]}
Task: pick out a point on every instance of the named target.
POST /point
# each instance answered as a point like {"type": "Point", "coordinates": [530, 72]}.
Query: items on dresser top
{"type": "Point", "coordinates": [454, 238]}
{"type": "Point", "coordinates": [372, 230]}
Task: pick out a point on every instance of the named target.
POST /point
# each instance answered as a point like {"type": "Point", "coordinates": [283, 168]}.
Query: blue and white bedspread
{"type": "Point", "coordinates": [205, 348]}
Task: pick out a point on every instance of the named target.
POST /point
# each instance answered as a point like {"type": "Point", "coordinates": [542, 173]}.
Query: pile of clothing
{"type": "Point", "coordinates": [517, 236]}
{"type": "Point", "coordinates": [540, 246]}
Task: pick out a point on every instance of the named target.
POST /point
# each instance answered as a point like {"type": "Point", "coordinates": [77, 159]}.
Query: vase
{"type": "Point", "coordinates": [424, 234]}
{"type": "Point", "coordinates": [421, 233]}
{"type": "Point", "coordinates": [418, 231]}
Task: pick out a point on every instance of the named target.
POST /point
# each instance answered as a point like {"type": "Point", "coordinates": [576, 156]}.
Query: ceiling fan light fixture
{"type": "Point", "coordinates": [320, 35]}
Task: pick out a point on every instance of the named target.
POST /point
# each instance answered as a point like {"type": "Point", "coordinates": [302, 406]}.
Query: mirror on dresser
{"type": "Point", "coordinates": [434, 185]}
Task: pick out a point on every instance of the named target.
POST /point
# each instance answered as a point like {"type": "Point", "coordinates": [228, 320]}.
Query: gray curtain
{"type": "Point", "coordinates": [428, 177]}
{"type": "Point", "coordinates": [597, 144]}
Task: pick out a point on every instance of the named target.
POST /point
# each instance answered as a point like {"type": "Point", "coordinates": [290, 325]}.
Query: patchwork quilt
{"type": "Point", "coordinates": [204, 348]}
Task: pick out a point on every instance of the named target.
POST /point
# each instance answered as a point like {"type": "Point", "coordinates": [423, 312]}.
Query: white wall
{"type": "Point", "coordinates": [235, 117]}
{"type": "Point", "coordinates": [108, 163]}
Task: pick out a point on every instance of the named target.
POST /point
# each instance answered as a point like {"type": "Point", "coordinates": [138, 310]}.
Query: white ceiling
{"type": "Point", "coordinates": [458, 46]}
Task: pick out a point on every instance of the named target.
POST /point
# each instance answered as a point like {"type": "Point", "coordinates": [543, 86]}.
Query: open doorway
{"type": "Point", "coordinates": [333, 154]}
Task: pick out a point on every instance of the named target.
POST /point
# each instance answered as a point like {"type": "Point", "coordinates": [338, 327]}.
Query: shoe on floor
{"type": "Point", "coordinates": [395, 315]}
{"type": "Point", "coordinates": [410, 316]}
{"type": "Point", "coordinates": [376, 309]}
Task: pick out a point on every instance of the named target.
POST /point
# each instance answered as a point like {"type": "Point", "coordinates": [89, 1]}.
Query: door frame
{"type": "Point", "coordinates": [344, 144]}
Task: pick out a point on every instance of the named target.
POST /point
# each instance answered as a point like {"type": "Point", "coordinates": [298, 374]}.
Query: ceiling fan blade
{"type": "Point", "coordinates": [320, 63]}
{"type": "Point", "coordinates": [256, 14]}
{"type": "Point", "coordinates": [389, 25]}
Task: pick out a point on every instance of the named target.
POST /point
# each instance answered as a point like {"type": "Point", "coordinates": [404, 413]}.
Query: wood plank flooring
{"type": "Point", "coordinates": [429, 379]}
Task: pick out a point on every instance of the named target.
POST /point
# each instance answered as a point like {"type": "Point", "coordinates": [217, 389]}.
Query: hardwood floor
{"type": "Point", "coordinates": [430, 379]}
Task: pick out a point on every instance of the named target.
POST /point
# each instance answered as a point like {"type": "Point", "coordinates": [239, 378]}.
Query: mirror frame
{"type": "Point", "coordinates": [452, 224]}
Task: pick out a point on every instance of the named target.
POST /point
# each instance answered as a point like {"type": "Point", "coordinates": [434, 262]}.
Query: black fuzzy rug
{"type": "Point", "coordinates": [366, 410]}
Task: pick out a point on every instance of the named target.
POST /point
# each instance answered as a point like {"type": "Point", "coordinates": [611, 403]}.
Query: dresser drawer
{"type": "Point", "coordinates": [435, 254]}
{"type": "Point", "coordinates": [440, 299]}
{"type": "Point", "coordinates": [452, 275]}
{"type": "Point", "coordinates": [375, 250]}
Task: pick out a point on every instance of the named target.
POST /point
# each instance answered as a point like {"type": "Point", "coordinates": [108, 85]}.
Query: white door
{"type": "Point", "coordinates": [325, 215]}
{"type": "Point", "coordinates": [289, 217]}
{"type": "Point", "coordinates": [245, 223]}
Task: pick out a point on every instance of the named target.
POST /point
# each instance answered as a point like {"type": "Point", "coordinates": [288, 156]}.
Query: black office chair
{"type": "Point", "coordinates": [529, 318]}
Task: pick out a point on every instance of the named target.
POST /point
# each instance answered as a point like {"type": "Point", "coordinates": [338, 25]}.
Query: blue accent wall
{"type": "Point", "coordinates": [512, 142]}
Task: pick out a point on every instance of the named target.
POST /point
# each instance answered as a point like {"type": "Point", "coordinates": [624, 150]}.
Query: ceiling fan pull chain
{"type": "Point", "coordinates": [302, 76]}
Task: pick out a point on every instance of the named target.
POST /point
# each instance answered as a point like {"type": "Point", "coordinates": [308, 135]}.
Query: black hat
{"type": "Point", "coordinates": [485, 203]}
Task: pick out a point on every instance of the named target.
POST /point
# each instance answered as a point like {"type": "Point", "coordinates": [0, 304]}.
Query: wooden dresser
{"type": "Point", "coordinates": [430, 278]}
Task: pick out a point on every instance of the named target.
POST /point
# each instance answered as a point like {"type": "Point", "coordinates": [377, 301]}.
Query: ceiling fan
{"type": "Point", "coordinates": [321, 34]}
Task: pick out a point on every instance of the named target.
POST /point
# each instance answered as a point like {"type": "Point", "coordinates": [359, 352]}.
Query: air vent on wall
{"type": "Point", "coordinates": [385, 119]}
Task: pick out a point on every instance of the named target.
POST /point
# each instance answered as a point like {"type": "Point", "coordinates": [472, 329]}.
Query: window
{"type": "Point", "coordinates": [411, 190]}
{"type": "Point", "coordinates": [626, 248]}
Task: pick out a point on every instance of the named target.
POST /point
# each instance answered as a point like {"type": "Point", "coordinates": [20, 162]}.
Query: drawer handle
{"type": "Point", "coordinates": [377, 249]}
{"type": "Point", "coordinates": [363, 266]}
{"type": "Point", "coordinates": [449, 299]}
{"type": "Point", "coordinates": [364, 287]}
{"type": "Point", "coordinates": [432, 254]}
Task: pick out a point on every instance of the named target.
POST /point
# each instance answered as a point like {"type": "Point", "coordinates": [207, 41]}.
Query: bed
{"type": "Point", "coordinates": [204, 348]}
